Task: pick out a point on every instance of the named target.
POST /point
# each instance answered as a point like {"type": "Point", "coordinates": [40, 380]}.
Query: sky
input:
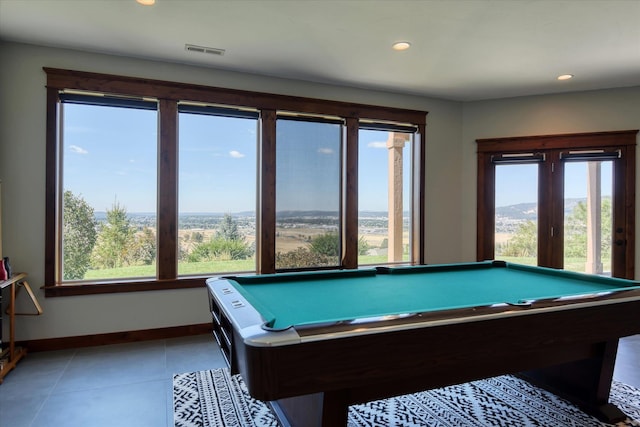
{"type": "Point", "coordinates": [109, 156]}
{"type": "Point", "coordinates": [519, 183]}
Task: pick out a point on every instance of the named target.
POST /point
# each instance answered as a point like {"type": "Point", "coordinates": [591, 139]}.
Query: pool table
{"type": "Point", "coordinates": [313, 343]}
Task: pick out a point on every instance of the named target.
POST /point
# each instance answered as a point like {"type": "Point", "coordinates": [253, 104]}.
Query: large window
{"type": "Point", "coordinates": [560, 201]}
{"type": "Point", "coordinates": [216, 190]}
{"type": "Point", "coordinates": [308, 188]}
{"type": "Point", "coordinates": [157, 185]}
{"type": "Point", "coordinates": [384, 196]}
{"type": "Point", "coordinates": [108, 175]}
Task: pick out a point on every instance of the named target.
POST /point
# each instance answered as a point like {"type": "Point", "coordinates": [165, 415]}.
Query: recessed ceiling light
{"type": "Point", "coordinates": [401, 45]}
{"type": "Point", "coordinates": [565, 77]}
{"type": "Point", "coordinates": [147, 2]}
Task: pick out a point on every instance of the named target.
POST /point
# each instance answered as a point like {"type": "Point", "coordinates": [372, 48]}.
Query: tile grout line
{"type": "Point", "coordinates": [48, 395]}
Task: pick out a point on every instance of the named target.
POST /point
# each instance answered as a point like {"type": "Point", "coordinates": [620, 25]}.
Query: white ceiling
{"type": "Point", "coordinates": [461, 49]}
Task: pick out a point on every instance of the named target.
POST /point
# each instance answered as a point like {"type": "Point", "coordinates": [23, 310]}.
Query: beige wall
{"type": "Point", "coordinates": [593, 111]}
{"type": "Point", "coordinates": [22, 171]}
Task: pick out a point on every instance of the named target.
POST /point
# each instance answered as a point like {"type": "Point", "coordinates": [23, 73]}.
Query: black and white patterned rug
{"type": "Point", "coordinates": [217, 399]}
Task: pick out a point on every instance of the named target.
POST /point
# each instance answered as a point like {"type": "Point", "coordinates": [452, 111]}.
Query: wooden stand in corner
{"type": "Point", "coordinates": [12, 354]}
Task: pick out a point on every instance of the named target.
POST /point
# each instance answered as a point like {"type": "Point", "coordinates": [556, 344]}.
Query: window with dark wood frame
{"type": "Point", "coordinates": [168, 96]}
{"type": "Point", "coordinates": [554, 149]}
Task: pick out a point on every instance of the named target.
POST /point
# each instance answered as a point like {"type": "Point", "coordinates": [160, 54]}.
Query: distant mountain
{"type": "Point", "coordinates": [519, 212]}
{"type": "Point", "coordinates": [509, 218]}
{"type": "Point", "coordinates": [529, 211]}
{"type": "Point", "coordinates": [306, 214]}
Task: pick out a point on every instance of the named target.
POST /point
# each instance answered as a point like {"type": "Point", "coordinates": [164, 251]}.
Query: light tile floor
{"type": "Point", "coordinates": [130, 384]}
{"type": "Point", "coordinates": [627, 369]}
{"type": "Point", "coordinates": [116, 386]}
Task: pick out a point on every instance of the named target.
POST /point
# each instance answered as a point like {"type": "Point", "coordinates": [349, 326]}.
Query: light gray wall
{"type": "Point", "coordinates": [22, 171]}
{"type": "Point", "coordinates": [452, 129]}
{"type": "Point", "coordinates": [592, 111]}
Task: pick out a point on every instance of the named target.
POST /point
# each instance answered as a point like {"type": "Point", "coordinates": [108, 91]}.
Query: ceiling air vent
{"type": "Point", "coordinates": [204, 49]}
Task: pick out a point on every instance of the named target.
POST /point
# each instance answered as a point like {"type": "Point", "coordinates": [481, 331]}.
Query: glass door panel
{"type": "Point", "coordinates": [588, 216]}
{"type": "Point", "coordinates": [516, 213]}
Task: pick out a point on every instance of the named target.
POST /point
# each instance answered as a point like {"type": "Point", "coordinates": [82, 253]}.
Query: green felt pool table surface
{"type": "Point", "coordinates": [308, 298]}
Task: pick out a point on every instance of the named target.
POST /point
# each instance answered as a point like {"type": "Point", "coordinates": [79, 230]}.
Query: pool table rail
{"type": "Point", "coordinates": [247, 320]}
{"type": "Point", "coordinates": [369, 367]}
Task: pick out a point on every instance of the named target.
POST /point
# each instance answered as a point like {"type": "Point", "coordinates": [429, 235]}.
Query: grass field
{"type": "Point", "coordinates": [198, 268]}
{"type": "Point", "coordinates": [216, 267]}
{"type": "Point", "coordinates": [288, 239]}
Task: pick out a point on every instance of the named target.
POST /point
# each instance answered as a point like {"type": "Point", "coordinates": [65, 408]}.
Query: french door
{"type": "Point", "coordinates": [559, 201]}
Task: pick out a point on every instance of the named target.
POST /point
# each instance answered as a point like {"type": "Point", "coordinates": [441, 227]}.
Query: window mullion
{"type": "Point", "coordinates": [350, 197]}
{"type": "Point", "coordinates": [266, 203]}
{"type": "Point", "coordinates": [167, 235]}
{"type": "Point", "coordinates": [53, 242]}
{"type": "Point", "coordinates": [624, 214]}
{"type": "Point", "coordinates": [485, 233]}
{"type": "Point", "coordinates": [551, 202]}
{"type": "Point", "coordinates": [418, 212]}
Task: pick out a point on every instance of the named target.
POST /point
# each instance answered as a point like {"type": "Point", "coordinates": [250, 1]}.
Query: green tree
{"type": "Point", "coordinates": [144, 248]}
{"type": "Point", "coordinates": [228, 229]}
{"type": "Point", "coordinates": [363, 246]}
{"type": "Point", "coordinates": [227, 244]}
{"type": "Point", "coordinates": [524, 243]}
{"type": "Point", "coordinates": [79, 236]}
{"type": "Point", "coordinates": [576, 230]}
{"type": "Point", "coordinates": [327, 244]}
{"type": "Point", "coordinates": [115, 240]}
{"type": "Point", "coordinates": [218, 249]}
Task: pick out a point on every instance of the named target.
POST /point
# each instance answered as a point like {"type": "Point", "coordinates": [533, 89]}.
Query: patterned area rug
{"type": "Point", "coordinates": [217, 399]}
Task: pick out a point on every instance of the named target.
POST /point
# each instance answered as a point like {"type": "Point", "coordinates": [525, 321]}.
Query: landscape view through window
{"type": "Point", "coordinates": [109, 158]}
{"type": "Point", "coordinates": [587, 215]}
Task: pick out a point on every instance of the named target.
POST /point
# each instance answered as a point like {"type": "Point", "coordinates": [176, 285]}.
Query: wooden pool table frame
{"type": "Point", "coordinates": [569, 348]}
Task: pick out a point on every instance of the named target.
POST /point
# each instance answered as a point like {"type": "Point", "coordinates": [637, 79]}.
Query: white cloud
{"type": "Point", "coordinates": [377, 144]}
{"type": "Point", "coordinates": [325, 151]}
{"type": "Point", "coordinates": [236, 154]}
{"type": "Point", "coordinates": [78, 150]}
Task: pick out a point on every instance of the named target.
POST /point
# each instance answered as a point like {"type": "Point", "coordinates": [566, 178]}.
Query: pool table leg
{"type": "Point", "coordinates": [586, 383]}
{"type": "Point", "coordinates": [328, 409]}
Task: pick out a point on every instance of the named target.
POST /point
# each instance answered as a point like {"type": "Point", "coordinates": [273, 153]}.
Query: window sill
{"type": "Point", "coordinates": [119, 287]}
